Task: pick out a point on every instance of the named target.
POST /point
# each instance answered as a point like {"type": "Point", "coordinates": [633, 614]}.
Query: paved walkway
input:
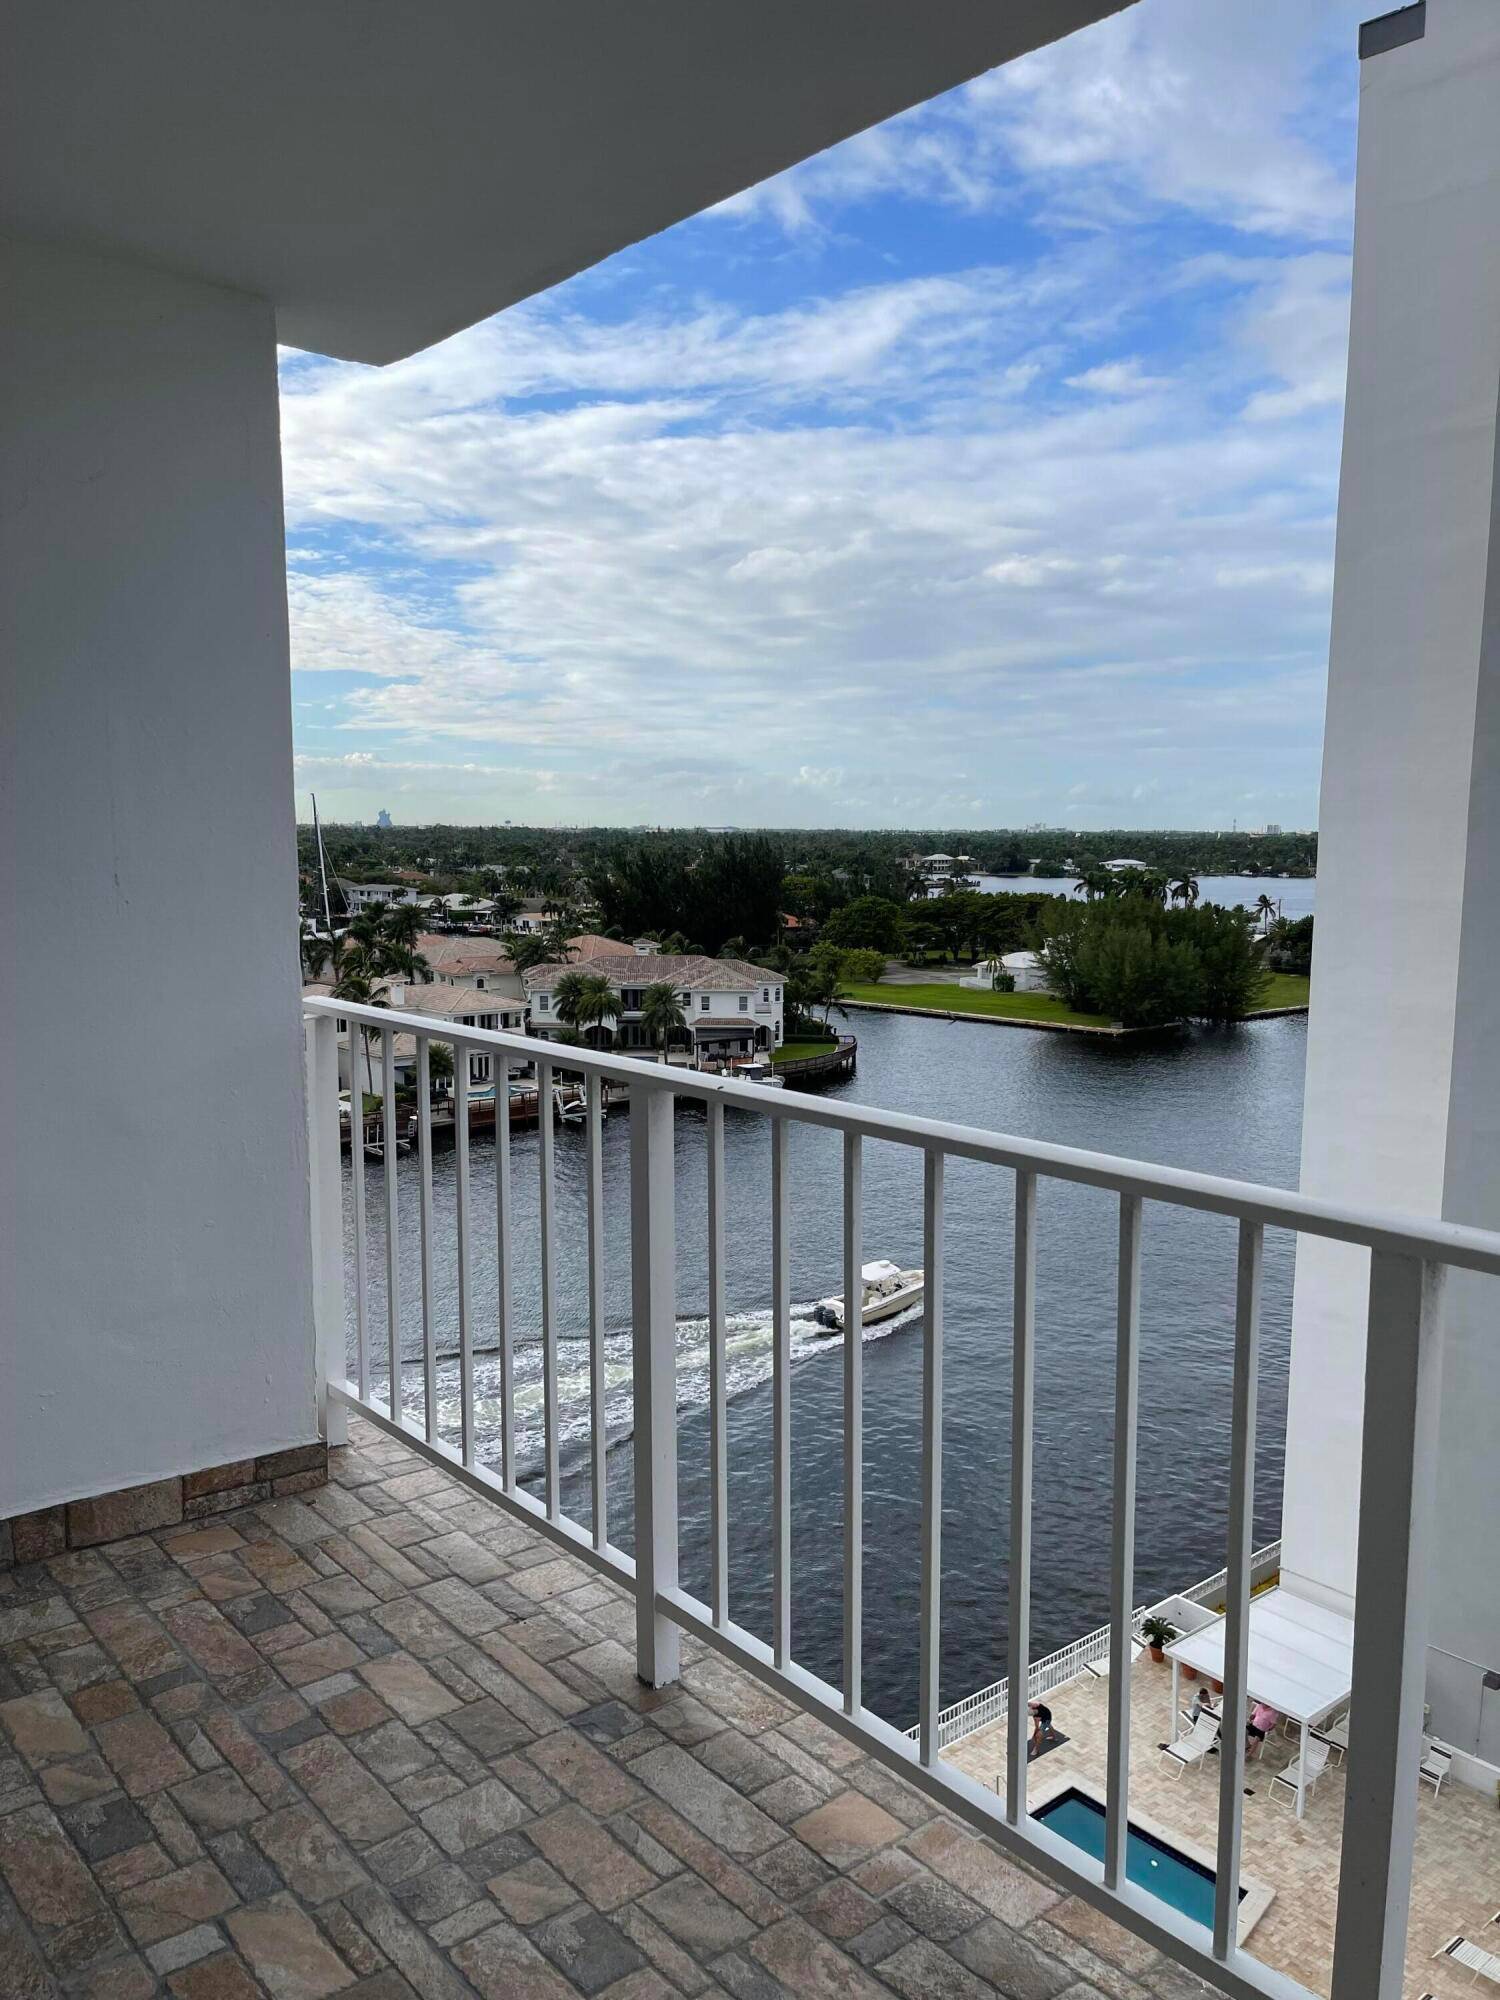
{"type": "Point", "coordinates": [381, 1740]}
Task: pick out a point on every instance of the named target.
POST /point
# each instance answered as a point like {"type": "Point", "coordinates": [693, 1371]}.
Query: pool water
{"type": "Point", "coordinates": [1150, 1863]}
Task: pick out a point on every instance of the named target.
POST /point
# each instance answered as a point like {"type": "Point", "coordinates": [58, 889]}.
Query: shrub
{"type": "Point", "coordinates": [1146, 966]}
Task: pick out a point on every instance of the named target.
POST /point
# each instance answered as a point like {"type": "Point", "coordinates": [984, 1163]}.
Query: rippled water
{"type": "Point", "coordinates": [1226, 1101]}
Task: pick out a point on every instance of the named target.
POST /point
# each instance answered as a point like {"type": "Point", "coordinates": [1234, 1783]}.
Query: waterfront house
{"type": "Point", "coordinates": [185, 1692]}
{"type": "Point", "coordinates": [468, 961]}
{"type": "Point", "coordinates": [370, 895]}
{"type": "Point", "coordinates": [1025, 968]}
{"type": "Point", "coordinates": [731, 1009]}
{"type": "Point", "coordinates": [460, 1006]}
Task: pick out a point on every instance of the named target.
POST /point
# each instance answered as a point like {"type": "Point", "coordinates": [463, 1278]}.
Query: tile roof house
{"type": "Point", "coordinates": [732, 1008]}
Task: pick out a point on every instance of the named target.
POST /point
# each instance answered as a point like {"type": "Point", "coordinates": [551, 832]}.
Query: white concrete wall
{"type": "Point", "coordinates": [1403, 1080]}
{"type": "Point", "coordinates": [155, 1306]}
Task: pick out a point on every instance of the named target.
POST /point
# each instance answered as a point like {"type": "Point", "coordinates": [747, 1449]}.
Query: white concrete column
{"type": "Point", "coordinates": [156, 1302]}
{"type": "Point", "coordinates": [1403, 1079]}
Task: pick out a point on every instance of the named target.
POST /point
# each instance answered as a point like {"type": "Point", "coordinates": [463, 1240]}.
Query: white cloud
{"type": "Point", "coordinates": [1117, 378]}
{"type": "Point", "coordinates": [891, 551]}
{"type": "Point", "coordinates": [1168, 103]}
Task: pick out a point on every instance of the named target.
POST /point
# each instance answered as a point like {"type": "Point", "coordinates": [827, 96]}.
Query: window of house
{"type": "Point", "coordinates": [487, 1020]}
{"type": "Point", "coordinates": [778, 993]}
{"type": "Point", "coordinates": [744, 1003]}
{"type": "Point", "coordinates": [703, 1003]}
{"type": "Point", "coordinates": [479, 1069]}
{"type": "Point", "coordinates": [685, 998]}
{"type": "Point", "coordinates": [479, 982]}
{"type": "Point", "coordinates": [765, 993]}
{"type": "Point", "coordinates": [467, 1020]}
{"type": "Point", "coordinates": [543, 1002]}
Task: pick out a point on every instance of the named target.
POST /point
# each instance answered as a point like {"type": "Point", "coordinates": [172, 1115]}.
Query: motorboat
{"type": "Point", "coordinates": [887, 1290]}
{"type": "Point", "coordinates": [761, 1072]}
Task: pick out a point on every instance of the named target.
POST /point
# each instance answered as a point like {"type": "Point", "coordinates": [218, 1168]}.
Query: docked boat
{"type": "Point", "coordinates": [887, 1290]}
{"type": "Point", "coordinates": [761, 1072]}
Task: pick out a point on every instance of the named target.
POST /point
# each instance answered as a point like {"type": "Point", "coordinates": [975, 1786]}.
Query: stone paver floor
{"type": "Point", "coordinates": [382, 1740]}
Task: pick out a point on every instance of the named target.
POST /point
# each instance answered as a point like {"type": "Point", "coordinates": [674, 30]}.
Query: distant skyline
{"type": "Point", "coordinates": [979, 472]}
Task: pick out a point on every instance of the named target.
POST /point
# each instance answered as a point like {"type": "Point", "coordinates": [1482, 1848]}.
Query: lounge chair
{"type": "Point", "coordinates": [1098, 1670]}
{"type": "Point", "coordinates": [1336, 1736]}
{"type": "Point", "coordinates": [1317, 1764]}
{"type": "Point", "coordinates": [1435, 1765]}
{"type": "Point", "coordinates": [1190, 1750]}
{"type": "Point", "coordinates": [1473, 1958]}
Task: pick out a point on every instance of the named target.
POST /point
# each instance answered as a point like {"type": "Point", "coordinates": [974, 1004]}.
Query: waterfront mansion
{"type": "Point", "coordinates": [730, 1008]}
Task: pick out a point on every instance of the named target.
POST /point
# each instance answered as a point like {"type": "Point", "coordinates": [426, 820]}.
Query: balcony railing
{"type": "Point", "coordinates": [1080, 1656]}
{"type": "Point", "coordinates": [1408, 1263]}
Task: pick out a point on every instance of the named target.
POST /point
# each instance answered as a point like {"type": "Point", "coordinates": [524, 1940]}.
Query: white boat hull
{"type": "Point", "coordinates": [830, 1312]}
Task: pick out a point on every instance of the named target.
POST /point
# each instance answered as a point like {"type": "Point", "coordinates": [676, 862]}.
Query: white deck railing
{"type": "Point", "coordinates": [1055, 1670]}
{"type": "Point", "coordinates": [1408, 1261]}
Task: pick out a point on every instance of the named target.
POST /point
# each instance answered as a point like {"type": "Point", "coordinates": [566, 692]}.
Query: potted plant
{"type": "Point", "coordinates": [1157, 1633]}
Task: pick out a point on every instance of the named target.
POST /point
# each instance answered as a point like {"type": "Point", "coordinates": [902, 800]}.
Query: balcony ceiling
{"type": "Point", "coordinates": [388, 171]}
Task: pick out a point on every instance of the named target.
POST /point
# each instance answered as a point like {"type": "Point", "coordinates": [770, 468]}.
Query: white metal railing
{"type": "Point", "coordinates": [1408, 1262]}
{"type": "Point", "coordinates": [1055, 1670]}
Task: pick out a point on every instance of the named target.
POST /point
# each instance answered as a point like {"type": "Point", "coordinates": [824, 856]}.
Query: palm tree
{"type": "Point", "coordinates": [355, 982]}
{"type": "Point", "coordinates": [439, 1063]}
{"type": "Point", "coordinates": [568, 997]}
{"type": "Point", "coordinates": [529, 948]}
{"type": "Point", "coordinates": [597, 1006]}
{"type": "Point", "coordinates": [1185, 890]}
{"type": "Point", "coordinates": [1147, 883]}
{"type": "Point", "coordinates": [661, 1014]}
{"type": "Point", "coordinates": [316, 952]}
{"type": "Point", "coordinates": [1098, 884]}
{"type": "Point", "coordinates": [1266, 907]}
{"type": "Point", "coordinates": [403, 925]}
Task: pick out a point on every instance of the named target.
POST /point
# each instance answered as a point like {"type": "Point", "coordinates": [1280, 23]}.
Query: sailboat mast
{"type": "Point", "coordinates": [322, 867]}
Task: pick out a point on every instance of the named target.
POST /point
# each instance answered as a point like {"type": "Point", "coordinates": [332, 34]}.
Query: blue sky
{"type": "Point", "coordinates": [978, 472]}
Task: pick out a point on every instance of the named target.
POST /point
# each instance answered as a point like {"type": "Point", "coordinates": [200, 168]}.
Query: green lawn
{"type": "Point", "coordinates": [1287, 989]}
{"type": "Point", "coordinates": [795, 1051]}
{"type": "Point", "coordinates": [948, 998]}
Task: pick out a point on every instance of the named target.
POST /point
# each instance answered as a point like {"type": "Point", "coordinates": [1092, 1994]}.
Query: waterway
{"type": "Point", "coordinates": [1294, 893]}
{"type": "Point", "coordinates": [1224, 1101]}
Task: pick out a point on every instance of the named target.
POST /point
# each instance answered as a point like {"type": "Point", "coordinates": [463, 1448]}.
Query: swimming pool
{"type": "Point", "coordinates": [1187, 1886]}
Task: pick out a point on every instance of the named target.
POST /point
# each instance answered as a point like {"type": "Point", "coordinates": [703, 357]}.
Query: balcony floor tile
{"type": "Point", "coordinates": [409, 1756]}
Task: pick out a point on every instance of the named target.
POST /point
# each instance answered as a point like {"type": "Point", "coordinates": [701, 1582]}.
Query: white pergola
{"type": "Point", "coordinates": [1301, 1661]}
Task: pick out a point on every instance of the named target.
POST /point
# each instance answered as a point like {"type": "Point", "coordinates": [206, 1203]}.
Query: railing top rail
{"type": "Point", "coordinates": [1272, 1208]}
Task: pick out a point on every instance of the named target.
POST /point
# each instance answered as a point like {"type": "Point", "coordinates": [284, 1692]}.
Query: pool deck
{"type": "Point", "coordinates": [1456, 1884]}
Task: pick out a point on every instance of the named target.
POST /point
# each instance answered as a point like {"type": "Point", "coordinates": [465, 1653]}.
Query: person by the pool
{"type": "Point", "coordinates": [1042, 1731]}
{"type": "Point", "coordinates": [1261, 1720]}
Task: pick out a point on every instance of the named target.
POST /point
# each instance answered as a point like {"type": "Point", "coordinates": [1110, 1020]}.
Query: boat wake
{"type": "Point", "coordinates": [747, 1360]}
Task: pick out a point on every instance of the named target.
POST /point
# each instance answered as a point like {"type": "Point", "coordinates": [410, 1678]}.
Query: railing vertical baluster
{"type": "Point", "coordinates": [1018, 1647]}
{"type": "Point", "coordinates": [392, 1222]}
{"type": "Point", "coordinates": [653, 1333]}
{"type": "Point", "coordinates": [546, 1146]}
{"type": "Point", "coordinates": [465, 1304]}
{"type": "Point", "coordinates": [502, 1276]}
{"type": "Point", "coordinates": [717, 1384]}
{"type": "Point", "coordinates": [781, 1395]}
{"type": "Point", "coordinates": [594, 1133]}
{"type": "Point", "coordinates": [1403, 1379]}
{"type": "Point", "coordinates": [359, 1058]}
{"type": "Point", "coordinates": [930, 1629]}
{"type": "Point", "coordinates": [854, 1425]}
{"type": "Point", "coordinates": [1122, 1539]}
{"type": "Point", "coordinates": [424, 1151]}
{"type": "Point", "coordinates": [1237, 1581]}
{"type": "Point", "coordinates": [326, 1179]}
